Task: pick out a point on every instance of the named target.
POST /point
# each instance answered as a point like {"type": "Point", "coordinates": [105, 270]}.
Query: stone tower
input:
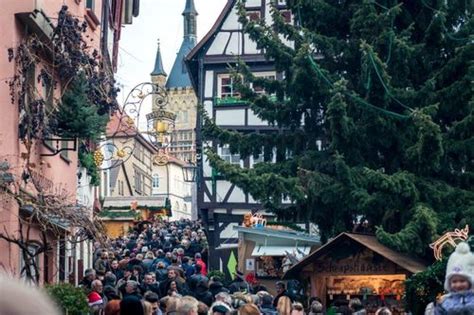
{"type": "Point", "coordinates": [182, 99]}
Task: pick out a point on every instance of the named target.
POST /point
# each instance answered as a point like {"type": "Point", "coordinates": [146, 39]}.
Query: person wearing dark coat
{"type": "Point", "coordinates": [196, 278]}
{"type": "Point", "coordinates": [266, 305]}
{"type": "Point", "coordinates": [216, 287]}
{"type": "Point", "coordinates": [202, 293]}
{"type": "Point", "coordinates": [131, 305]}
{"type": "Point", "coordinates": [239, 284]}
{"type": "Point", "coordinates": [149, 285]}
{"type": "Point", "coordinates": [281, 291]}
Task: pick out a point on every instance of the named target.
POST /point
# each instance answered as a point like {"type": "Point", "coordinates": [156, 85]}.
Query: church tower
{"type": "Point", "coordinates": [158, 75]}
{"type": "Point", "coordinates": [181, 96]}
{"type": "Point", "coordinates": [179, 77]}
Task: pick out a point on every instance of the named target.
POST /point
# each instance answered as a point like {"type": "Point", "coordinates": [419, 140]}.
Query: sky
{"type": "Point", "coordinates": [158, 19]}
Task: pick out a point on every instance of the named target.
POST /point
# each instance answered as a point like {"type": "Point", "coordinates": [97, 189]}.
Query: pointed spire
{"type": "Point", "coordinates": [190, 8]}
{"type": "Point", "coordinates": [179, 76]}
{"type": "Point", "coordinates": [158, 70]}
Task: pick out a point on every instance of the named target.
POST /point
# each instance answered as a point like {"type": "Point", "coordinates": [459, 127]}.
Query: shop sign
{"type": "Point", "coordinates": [250, 264]}
{"type": "Point", "coordinates": [354, 267]}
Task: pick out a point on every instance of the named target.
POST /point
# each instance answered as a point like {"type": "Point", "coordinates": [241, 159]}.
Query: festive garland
{"type": "Point", "coordinates": [117, 214]}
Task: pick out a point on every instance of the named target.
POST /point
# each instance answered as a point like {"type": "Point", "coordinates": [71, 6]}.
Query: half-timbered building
{"type": "Point", "coordinates": [222, 204]}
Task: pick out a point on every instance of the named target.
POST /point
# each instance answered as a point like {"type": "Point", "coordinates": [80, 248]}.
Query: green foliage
{"type": "Point", "coordinates": [86, 160]}
{"type": "Point", "coordinates": [424, 287]}
{"type": "Point", "coordinates": [118, 214]}
{"type": "Point", "coordinates": [387, 88]}
{"type": "Point", "coordinates": [219, 276]}
{"type": "Point", "coordinates": [71, 300]}
{"type": "Point", "coordinates": [77, 116]}
{"type": "Point", "coordinates": [418, 232]}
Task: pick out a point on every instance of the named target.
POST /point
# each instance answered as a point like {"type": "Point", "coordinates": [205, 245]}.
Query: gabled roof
{"type": "Point", "coordinates": [191, 60]}
{"type": "Point", "coordinates": [410, 264]}
{"type": "Point", "coordinates": [121, 125]}
{"type": "Point", "coordinates": [158, 69]}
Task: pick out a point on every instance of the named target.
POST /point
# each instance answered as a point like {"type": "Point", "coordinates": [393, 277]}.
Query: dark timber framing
{"type": "Point", "coordinates": [218, 215]}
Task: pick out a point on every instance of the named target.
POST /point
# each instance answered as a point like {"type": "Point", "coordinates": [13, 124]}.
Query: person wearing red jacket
{"type": "Point", "coordinates": [201, 263]}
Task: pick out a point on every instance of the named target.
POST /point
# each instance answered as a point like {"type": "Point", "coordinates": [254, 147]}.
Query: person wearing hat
{"type": "Point", "coordinates": [458, 283]}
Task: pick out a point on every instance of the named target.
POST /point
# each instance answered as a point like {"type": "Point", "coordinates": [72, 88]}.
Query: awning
{"type": "Point", "coordinates": [227, 246]}
{"type": "Point", "coordinates": [262, 250]}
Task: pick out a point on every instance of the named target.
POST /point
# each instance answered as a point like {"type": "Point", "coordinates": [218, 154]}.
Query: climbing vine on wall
{"type": "Point", "coordinates": [61, 86]}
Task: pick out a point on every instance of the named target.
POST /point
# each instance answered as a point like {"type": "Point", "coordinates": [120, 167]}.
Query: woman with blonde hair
{"type": "Point", "coordinates": [249, 309]}
{"type": "Point", "coordinates": [284, 305]}
{"type": "Point", "coordinates": [297, 309]}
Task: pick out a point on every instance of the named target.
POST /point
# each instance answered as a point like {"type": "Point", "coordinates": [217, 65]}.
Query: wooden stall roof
{"type": "Point", "coordinates": [410, 264]}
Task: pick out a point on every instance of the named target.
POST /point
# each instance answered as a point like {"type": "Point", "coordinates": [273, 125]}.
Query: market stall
{"type": "Point", "coordinates": [268, 252]}
{"type": "Point", "coordinates": [357, 266]}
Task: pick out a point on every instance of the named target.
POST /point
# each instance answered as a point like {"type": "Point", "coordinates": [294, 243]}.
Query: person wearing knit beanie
{"type": "Point", "coordinates": [460, 269]}
{"type": "Point", "coordinates": [458, 283]}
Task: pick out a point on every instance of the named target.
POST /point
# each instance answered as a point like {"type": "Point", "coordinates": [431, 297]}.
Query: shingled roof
{"type": "Point", "coordinates": [408, 263]}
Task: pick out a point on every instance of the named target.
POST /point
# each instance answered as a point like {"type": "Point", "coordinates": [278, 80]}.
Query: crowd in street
{"type": "Point", "coordinates": [160, 268]}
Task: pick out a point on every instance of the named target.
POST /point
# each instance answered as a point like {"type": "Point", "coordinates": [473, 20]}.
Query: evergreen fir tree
{"type": "Point", "coordinates": [385, 88]}
{"type": "Point", "coordinates": [77, 116]}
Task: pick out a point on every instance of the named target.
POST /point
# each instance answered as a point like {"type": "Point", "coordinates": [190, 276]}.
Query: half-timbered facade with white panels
{"type": "Point", "coordinates": [221, 204]}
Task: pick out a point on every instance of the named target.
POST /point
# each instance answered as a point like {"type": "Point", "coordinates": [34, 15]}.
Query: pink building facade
{"type": "Point", "coordinates": [58, 174]}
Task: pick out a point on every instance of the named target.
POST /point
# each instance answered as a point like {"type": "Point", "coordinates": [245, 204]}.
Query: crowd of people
{"type": "Point", "coordinates": [160, 268]}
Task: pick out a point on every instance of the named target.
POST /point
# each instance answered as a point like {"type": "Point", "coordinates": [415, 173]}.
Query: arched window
{"type": "Point", "coordinates": [176, 206]}
{"type": "Point", "coordinates": [156, 181]}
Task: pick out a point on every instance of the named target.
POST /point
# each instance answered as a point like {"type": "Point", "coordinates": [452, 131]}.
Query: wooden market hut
{"type": "Point", "coordinates": [357, 265]}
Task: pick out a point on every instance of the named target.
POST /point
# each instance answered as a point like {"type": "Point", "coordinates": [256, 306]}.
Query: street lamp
{"type": "Point", "coordinates": [190, 172]}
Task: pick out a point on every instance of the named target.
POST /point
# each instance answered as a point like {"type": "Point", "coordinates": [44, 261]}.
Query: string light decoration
{"type": "Point", "coordinates": [450, 238]}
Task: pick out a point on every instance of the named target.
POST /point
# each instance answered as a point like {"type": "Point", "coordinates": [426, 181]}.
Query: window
{"type": "Point", "coordinates": [226, 87]}
{"type": "Point", "coordinates": [229, 157]}
{"type": "Point", "coordinates": [184, 117]}
{"type": "Point", "coordinates": [155, 181]}
{"type": "Point", "coordinates": [138, 181]}
{"type": "Point", "coordinates": [265, 75]}
{"type": "Point", "coordinates": [286, 14]}
{"type": "Point", "coordinates": [253, 16]}
{"type": "Point", "coordinates": [90, 4]}
{"type": "Point", "coordinates": [120, 187]}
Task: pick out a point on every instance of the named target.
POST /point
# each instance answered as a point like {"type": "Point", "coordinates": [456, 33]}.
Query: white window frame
{"type": "Point", "coordinates": [233, 93]}
{"type": "Point", "coordinates": [253, 161]}
{"type": "Point", "coordinates": [155, 181]}
{"type": "Point", "coordinates": [224, 153]}
{"type": "Point", "coordinates": [266, 75]}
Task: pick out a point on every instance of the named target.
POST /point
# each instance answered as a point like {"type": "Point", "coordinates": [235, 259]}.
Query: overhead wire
{"type": "Point", "coordinates": [353, 96]}
{"type": "Point", "coordinates": [423, 2]}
